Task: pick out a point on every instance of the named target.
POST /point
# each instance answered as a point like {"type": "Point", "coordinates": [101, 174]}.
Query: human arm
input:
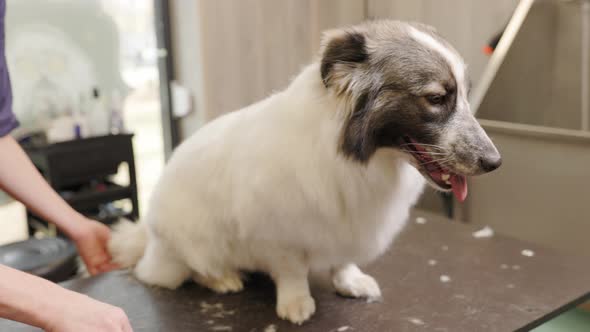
{"type": "Point", "coordinates": [20, 178]}
{"type": "Point", "coordinates": [41, 303]}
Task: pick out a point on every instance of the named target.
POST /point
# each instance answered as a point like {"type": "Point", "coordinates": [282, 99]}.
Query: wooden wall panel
{"type": "Point", "coordinates": [231, 53]}
{"type": "Point", "coordinates": [467, 24]}
{"type": "Point", "coordinates": [242, 50]}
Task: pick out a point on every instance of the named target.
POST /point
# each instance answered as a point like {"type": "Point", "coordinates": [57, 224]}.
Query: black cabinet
{"type": "Point", "coordinates": [82, 171]}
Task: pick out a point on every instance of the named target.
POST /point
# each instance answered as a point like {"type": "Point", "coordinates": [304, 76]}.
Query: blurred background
{"type": "Point", "coordinates": [161, 69]}
{"type": "Point", "coordinates": [59, 52]}
{"type": "Point", "coordinates": [167, 67]}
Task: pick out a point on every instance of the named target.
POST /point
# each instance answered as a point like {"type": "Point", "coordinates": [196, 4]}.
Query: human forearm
{"type": "Point", "coordinates": [24, 297]}
{"type": "Point", "coordinates": [20, 178]}
{"type": "Point", "coordinates": [38, 302]}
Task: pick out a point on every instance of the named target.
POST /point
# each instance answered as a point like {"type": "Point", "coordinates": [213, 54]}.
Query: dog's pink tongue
{"type": "Point", "coordinates": [459, 184]}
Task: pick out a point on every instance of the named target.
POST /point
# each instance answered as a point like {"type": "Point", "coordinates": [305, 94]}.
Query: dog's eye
{"type": "Point", "coordinates": [435, 99]}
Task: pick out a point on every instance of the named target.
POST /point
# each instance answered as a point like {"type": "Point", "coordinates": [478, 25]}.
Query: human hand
{"type": "Point", "coordinates": [91, 238]}
{"type": "Point", "coordinates": [76, 312]}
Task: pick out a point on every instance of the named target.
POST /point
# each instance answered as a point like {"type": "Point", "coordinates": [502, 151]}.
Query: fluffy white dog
{"type": "Point", "coordinates": [320, 176]}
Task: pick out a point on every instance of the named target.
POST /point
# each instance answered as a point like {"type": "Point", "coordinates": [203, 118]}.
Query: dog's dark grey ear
{"type": "Point", "coordinates": [342, 51]}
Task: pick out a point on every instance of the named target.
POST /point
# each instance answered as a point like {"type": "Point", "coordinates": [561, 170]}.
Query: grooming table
{"type": "Point", "coordinates": [436, 277]}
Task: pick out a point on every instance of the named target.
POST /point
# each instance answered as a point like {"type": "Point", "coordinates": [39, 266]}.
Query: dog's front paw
{"type": "Point", "coordinates": [350, 281]}
{"type": "Point", "coordinates": [297, 310]}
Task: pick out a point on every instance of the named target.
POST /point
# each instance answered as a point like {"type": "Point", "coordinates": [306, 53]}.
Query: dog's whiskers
{"type": "Point", "coordinates": [430, 146]}
{"type": "Point", "coordinates": [439, 161]}
{"type": "Point", "coordinates": [430, 153]}
{"type": "Point", "coordinates": [445, 162]}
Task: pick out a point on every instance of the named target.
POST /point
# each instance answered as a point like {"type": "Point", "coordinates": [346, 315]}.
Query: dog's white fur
{"type": "Point", "coordinates": [266, 189]}
{"type": "Point", "coordinates": [287, 186]}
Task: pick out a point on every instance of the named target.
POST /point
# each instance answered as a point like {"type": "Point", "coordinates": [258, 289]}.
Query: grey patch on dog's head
{"type": "Point", "coordinates": [395, 80]}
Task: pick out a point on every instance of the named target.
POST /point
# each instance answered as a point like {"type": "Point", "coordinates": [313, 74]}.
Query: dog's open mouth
{"type": "Point", "coordinates": [440, 176]}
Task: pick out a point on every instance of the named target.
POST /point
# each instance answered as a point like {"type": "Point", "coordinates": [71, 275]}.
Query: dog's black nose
{"type": "Point", "coordinates": [490, 162]}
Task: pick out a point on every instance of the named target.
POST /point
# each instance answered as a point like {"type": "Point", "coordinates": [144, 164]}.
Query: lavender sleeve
{"type": "Point", "coordinates": [7, 119]}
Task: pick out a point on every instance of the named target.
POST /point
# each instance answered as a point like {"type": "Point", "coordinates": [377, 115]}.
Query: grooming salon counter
{"type": "Point", "coordinates": [437, 277]}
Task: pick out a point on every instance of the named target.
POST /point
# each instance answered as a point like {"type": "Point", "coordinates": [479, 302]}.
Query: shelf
{"type": "Point", "coordinates": [91, 198]}
{"type": "Point", "coordinates": [112, 219]}
{"type": "Point", "coordinates": [79, 170]}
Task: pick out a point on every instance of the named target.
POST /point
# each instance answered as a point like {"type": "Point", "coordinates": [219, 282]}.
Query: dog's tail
{"type": "Point", "coordinates": [127, 243]}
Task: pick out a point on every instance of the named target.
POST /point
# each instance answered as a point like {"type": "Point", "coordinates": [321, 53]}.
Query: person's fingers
{"type": "Point", "coordinates": [92, 262]}
{"type": "Point", "coordinates": [106, 267]}
{"type": "Point", "coordinates": [101, 264]}
{"type": "Point", "coordinates": [95, 254]}
{"type": "Point", "coordinates": [91, 269]}
{"type": "Point", "coordinates": [107, 256]}
{"type": "Point", "coordinates": [96, 268]}
{"type": "Point", "coordinates": [102, 246]}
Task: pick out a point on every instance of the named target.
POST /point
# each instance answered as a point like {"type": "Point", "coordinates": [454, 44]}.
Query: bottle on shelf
{"type": "Point", "coordinates": [98, 115]}
{"type": "Point", "coordinates": [80, 121]}
{"type": "Point", "coordinates": [117, 121]}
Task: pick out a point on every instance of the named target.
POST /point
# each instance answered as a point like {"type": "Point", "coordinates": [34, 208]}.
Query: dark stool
{"type": "Point", "coordinates": [54, 259]}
